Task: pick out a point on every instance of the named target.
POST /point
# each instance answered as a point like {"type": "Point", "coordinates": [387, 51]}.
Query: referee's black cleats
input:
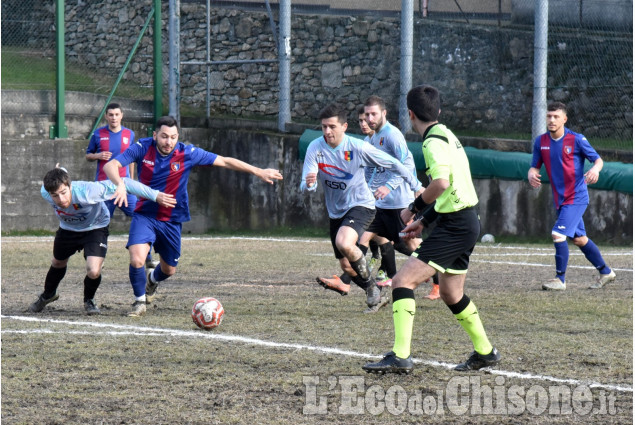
{"type": "Point", "coordinates": [390, 364]}
{"type": "Point", "coordinates": [41, 302]}
{"type": "Point", "coordinates": [478, 361]}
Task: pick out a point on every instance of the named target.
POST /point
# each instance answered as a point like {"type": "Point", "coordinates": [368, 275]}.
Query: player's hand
{"type": "Point", "coordinates": [166, 200]}
{"type": "Point", "coordinates": [381, 192]}
{"type": "Point", "coordinates": [413, 230]}
{"type": "Point", "coordinates": [105, 156]}
{"type": "Point", "coordinates": [406, 215]}
{"type": "Point", "coordinates": [591, 176]}
{"type": "Point", "coordinates": [269, 175]}
{"type": "Point", "coordinates": [310, 179]}
{"type": "Point", "coordinates": [534, 178]}
{"type": "Point", "coordinates": [121, 195]}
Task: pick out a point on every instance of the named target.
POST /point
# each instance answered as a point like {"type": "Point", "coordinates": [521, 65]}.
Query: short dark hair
{"type": "Point", "coordinates": [168, 121]}
{"type": "Point", "coordinates": [360, 110]}
{"type": "Point", "coordinates": [376, 100]}
{"type": "Point", "coordinates": [113, 106]}
{"type": "Point", "coordinates": [333, 110]}
{"type": "Point", "coordinates": [424, 102]}
{"type": "Point", "coordinates": [56, 178]}
{"type": "Point", "coordinates": [557, 106]}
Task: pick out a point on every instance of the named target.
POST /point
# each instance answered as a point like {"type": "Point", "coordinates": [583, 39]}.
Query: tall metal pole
{"type": "Point", "coordinates": [541, 35]}
{"type": "Point", "coordinates": [407, 12]}
{"type": "Point", "coordinates": [59, 130]}
{"type": "Point", "coordinates": [284, 56]}
{"type": "Point", "coordinates": [174, 52]}
{"type": "Point", "coordinates": [208, 95]}
{"type": "Point", "coordinates": [158, 63]}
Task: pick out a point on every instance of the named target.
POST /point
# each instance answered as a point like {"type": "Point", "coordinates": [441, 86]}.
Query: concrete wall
{"type": "Point", "coordinates": [221, 199]}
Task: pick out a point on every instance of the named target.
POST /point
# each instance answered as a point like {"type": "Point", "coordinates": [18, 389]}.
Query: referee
{"type": "Point", "coordinates": [447, 250]}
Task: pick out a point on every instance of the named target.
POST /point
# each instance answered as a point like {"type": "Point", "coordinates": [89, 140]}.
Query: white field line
{"type": "Point", "coordinates": [148, 331]}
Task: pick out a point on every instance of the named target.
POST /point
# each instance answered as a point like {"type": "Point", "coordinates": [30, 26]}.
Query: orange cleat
{"type": "Point", "coordinates": [434, 293]}
{"type": "Point", "coordinates": [334, 284]}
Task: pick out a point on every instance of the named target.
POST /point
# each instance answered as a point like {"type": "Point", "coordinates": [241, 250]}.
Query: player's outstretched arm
{"type": "Point", "coordinates": [265, 174]}
{"type": "Point", "coordinates": [112, 171]}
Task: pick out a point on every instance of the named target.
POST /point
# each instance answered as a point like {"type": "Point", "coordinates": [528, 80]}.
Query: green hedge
{"type": "Point", "coordinates": [491, 164]}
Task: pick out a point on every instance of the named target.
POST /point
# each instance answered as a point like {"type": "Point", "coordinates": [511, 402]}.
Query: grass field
{"type": "Point", "coordinates": [288, 352]}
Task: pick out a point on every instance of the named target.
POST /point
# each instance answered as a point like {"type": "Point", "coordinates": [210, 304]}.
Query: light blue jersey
{"type": "Point", "coordinates": [87, 210]}
{"type": "Point", "coordinates": [391, 141]}
{"type": "Point", "coordinates": [341, 171]}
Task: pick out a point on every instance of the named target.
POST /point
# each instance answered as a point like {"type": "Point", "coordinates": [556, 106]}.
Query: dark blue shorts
{"type": "Point", "coordinates": [164, 235]}
{"type": "Point", "coordinates": [569, 222]}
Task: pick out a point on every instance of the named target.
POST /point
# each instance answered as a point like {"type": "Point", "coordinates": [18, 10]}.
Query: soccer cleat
{"type": "Point", "coordinates": [41, 302]}
{"type": "Point", "coordinates": [91, 308]}
{"type": "Point", "coordinates": [384, 300]}
{"type": "Point", "coordinates": [151, 264]}
{"type": "Point", "coordinates": [138, 309]}
{"type": "Point", "coordinates": [390, 364]}
{"type": "Point", "coordinates": [554, 285]}
{"type": "Point", "coordinates": [334, 284]}
{"type": "Point", "coordinates": [434, 293]}
{"type": "Point", "coordinates": [602, 280]}
{"type": "Point", "coordinates": [385, 282]}
{"type": "Point", "coordinates": [381, 275]}
{"type": "Point", "coordinates": [478, 361]}
{"type": "Point", "coordinates": [151, 288]}
{"type": "Point", "coordinates": [372, 263]}
{"type": "Point", "coordinates": [373, 295]}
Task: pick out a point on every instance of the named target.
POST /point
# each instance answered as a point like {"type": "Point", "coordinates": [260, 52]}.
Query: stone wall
{"type": "Point", "coordinates": [222, 199]}
{"type": "Point", "coordinates": [484, 72]}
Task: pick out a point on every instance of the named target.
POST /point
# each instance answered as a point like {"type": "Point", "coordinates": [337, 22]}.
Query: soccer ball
{"type": "Point", "coordinates": [207, 313]}
{"type": "Point", "coordinates": [487, 238]}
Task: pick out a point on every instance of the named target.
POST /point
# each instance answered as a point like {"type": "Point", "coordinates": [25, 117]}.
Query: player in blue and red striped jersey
{"type": "Point", "coordinates": [108, 142]}
{"type": "Point", "coordinates": [164, 164]}
{"type": "Point", "coordinates": [563, 153]}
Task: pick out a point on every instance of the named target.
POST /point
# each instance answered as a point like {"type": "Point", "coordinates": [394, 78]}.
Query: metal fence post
{"type": "Point", "coordinates": [59, 129]}
{"type": "Point", "coordinates": [407, 11]}
{"type": "Point", "coordinates": [174, 83]}
{"type": "Point", "coordinates": [541, 35]}
{"type": "Point", "coordinates": [284, 56]}
{"type": "Point", "coordinates": [157, 63]}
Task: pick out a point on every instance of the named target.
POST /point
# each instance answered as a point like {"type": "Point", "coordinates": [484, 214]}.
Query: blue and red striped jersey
{"type": "Point", "coordinates": [104, 140]}
{"type": "Point", "coordinates": [168, 174]}
{"type": "Point", "coordinates": [564, 162]}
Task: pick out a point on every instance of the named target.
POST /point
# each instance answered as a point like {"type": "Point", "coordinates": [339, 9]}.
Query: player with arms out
{"type": "Point", "coordinates": [448, 247]}
{"type": "Point", "coordinates": [563, 153]}
{"type": "Point", "coordinates": [84, 219]}
{"type": "Point", "coordinates": [164, 163]}
{"type": "Point", "coordinates": [337, 161]}
{"type": "Point", "coordinates": [109, 141]}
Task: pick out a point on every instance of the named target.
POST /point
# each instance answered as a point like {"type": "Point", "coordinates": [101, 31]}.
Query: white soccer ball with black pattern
{"type": "Point", "coordinates": [207, 313]}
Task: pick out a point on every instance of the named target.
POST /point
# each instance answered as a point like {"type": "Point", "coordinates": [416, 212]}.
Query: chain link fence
{"type": "Point", "coordinates": [480, 54]}
{"type": "Point", "coordinates": [97, 43]}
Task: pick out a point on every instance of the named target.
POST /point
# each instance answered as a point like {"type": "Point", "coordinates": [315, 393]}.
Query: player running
{"type": "Point", "coordinates": [84, 218]}
{"type": "Point", "coordinates": [337, 161]}
{"type": "Point", "coordinates": [164, 162]}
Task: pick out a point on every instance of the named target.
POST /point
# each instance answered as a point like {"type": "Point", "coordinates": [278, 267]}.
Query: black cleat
{"type": "Point", "coordinates": [41, 302]}
{"type": "Point", "coordinates": [390, 364]}
{"type": "Point", "coordinates": [478, 361]}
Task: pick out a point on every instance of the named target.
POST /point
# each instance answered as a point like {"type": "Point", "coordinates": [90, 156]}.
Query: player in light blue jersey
{"type": "Point", "coordinates": [337, 161]}
{"type": "Point", "coordinates": [84, 219]}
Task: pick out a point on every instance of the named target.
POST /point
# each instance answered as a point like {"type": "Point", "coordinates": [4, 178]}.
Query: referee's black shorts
{"type": "Point", "coordinates": [451, 242]}
{"type": "Point", "coordinates": [93, 242]}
